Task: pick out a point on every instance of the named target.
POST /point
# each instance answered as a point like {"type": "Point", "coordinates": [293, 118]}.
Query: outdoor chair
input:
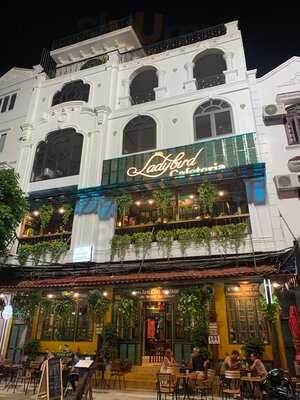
{"type": "Point", "coordinates": [117, 375]}
{"type": "Point", "coordinates": [231, 385]}
{"type": "Point", "coordinates": [166, 386]}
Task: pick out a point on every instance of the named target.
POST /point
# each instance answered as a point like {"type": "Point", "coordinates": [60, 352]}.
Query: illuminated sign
{"type": "Point", "coordinates": [7, 312]}
{"type": "Point", "coordinates": [159, 164]}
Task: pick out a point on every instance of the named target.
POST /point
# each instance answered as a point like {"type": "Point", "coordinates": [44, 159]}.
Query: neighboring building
{"type": "Point", "coordinates": [114, 118]}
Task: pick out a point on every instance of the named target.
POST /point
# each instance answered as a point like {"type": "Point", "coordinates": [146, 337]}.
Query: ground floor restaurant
{"type": "Point", "coordinates": [138, 320]}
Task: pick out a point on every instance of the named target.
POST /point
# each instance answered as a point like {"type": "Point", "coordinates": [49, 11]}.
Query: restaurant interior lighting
{"type": "Point", "coordinates": [276, 285]}
{"type": "Point", "coordinates": [36, 213]}
{"type": "Point", "coordinates": [150, 202]}
{"type": "Point", "coordinates": [138, 203]}
{"type": "Point", "coordinates": [105, 294]}
{"type": "Point", "coordinates": [236, 288]}
{"type": "Point", "coordinates": [221, 193]}
{"type": "Point", "coordinates": [61, 210]}
{"type": "Point", "coordinates": [133, 293]}
{"type": "Point", "coordinates": [191, 196]}
{"type": "Point", "coordinates": [2, 296]}
{"type": "Point", "coordinates": [50, 296]}
{"type": "Point", "coordinates": [166, 291]}
{"type": "Point", "coordinates": [76, 295]}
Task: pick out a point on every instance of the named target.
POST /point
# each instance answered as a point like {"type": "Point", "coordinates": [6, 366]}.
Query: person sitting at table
{"type": "Point", "coordinates": [74, 372]}
{"type": "Point", "coordinates": [199, 361]}
{"type": "Point", "coordinates": [230, 362]}
{"type": "Point", "coordinates": [168, 362]}
{"type": "Point", "coordinates": [257, 367]}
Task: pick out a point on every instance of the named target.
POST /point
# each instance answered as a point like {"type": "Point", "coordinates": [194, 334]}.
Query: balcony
{"type": "Point", "coordinates": [82, 65]}
{"type": "Point", "coordinates": [173, 43]}
{"type": "Point", "coordinates": [210, 81]}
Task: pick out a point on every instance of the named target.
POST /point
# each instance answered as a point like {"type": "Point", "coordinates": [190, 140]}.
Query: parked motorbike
{"type": "Point", "coordinates": [278, 386]}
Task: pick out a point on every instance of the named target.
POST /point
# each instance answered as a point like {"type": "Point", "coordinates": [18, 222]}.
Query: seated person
{"type": "Point", "coordinates": [231, 362]}
{"type": "Point", "coordinates": [168, 362]}
{"type": "Point", "coordinates": [257, 367]}
{"type": "Point", "coordinates": [74, 372]}
{"type": "Point", "coordinates": [199, 361]}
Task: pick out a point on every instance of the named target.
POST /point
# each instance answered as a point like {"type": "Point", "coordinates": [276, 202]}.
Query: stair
{"type": "Point", "coordinates": [142, 377]}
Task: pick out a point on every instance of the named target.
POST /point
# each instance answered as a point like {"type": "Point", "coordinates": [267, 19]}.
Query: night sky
{"type": "Point", "coordinates": [271, 34]}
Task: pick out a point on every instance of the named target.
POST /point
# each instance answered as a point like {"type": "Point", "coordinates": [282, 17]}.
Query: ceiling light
{"type": "Point", "coordinates": [236, 288]}
{"type": "Point", "coordinates": [50, 296]}
{"type": "Point", "coordinates": [150, 202]}
{"type": "Point", "coordinates": [191, 196]}
{"type": "Point", "coordinates": [61, 210]}
{"type": "Point", "coordinates": [133, 293]}
{"type": "Point", "coordinates": [276, 285]}
{"type": "Point", "coordinates": [221, 193]}
{"type": "Point", "coordinates": [76, 295]}
{"type": "Point", "coordinates": [2, 296]}
{"type": "Point", "coordinates": [138, 203]}
{"type": "Point", "coordinates": [105, 294]}
{"type": "Point", "coordinates": [166, 291]}
{"type": "Point", "coordinates": [36, 213]}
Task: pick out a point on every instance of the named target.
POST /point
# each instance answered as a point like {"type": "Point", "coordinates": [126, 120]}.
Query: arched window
{"type": "Point", "coordinates": [208, 69]}
{"type": "Point", "coordinates": [213, 118]}
{"type": "Point", "coordinates": [139, 135]}
{"type": "Point", "coordinates": [142, 86]}
{"type": "Point", "coordinates": [76, 90]}
{"type": "Point", "coordinates": [58, 156]}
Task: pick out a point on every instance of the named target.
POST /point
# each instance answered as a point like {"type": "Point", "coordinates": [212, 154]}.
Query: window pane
{"type": "Point", "coordinates": [139, 135]}
{"type": "Point", "coordinates": [223, 123]}
{"type": "Point", "coordinates": [2, 141]}
{"type": "Point", "coordinates": [12, 101]}
{"type": "Point", "coordinates": [5, 103]}
{"type": "Point", "coordinates": [203, 127]}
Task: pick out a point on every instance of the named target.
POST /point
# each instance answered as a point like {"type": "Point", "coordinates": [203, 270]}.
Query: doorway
{"type": "Point", "coordinates": [16, 342]}
{"type": "Point", "coordinates": [157, 329]}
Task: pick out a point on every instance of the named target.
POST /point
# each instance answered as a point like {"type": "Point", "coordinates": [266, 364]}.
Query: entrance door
{"type": "Point", "coordinates": [157, 329]}
{"type": "Point", "coordinates": [16, 342]}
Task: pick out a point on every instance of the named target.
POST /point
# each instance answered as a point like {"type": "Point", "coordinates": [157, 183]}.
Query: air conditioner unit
{"type": "Point", "coordinates": [273, 111]}
{"type": "Point", "coordinates": [287, 182]}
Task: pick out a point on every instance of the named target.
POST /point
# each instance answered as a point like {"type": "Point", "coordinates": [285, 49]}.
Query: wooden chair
{"type": "Point", "coordinates": [117, 376]}
{"type": "Point", "coordinates": [166, 386]}
{"type": "Point", "coordinates": [231, 385]}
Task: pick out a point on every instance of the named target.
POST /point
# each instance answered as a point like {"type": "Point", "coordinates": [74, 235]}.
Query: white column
{"type": "Point", "coordinates": [124, 100]}
{"type": "Point", "coordinates": [161, 90]}
{"type": "Point", "coordinates": [231, 74]}
{"type": "Point", "coordinates": [26, 157]}
{"type": "Point", "coordinates": [190, 83]}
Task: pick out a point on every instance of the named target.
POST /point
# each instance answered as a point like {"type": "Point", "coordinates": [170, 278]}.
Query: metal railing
{"type": "Point", "coordinates": [209, 81]}
{"type": "Point", "coordinates": [93, 32]}
{"type": "Point", "coordinates": [79, 65]}
{"type": "Point", "coordinates": [142, 97]}
{"type": "Point", "coordinates": [174, 43]}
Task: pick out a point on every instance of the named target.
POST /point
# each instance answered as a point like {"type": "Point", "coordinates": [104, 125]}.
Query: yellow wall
{"type": "Point", "coordinates": [225, 346]}
{"type": "Point", "coordinates": [84, 347]}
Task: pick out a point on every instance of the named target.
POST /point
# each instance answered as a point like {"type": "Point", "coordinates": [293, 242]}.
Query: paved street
{"type": "Point", "coordinates": [98, 395]}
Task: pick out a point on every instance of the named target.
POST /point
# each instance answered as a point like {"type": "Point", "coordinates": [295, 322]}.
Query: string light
{"type": "Point", "coordinates": [36, 213]}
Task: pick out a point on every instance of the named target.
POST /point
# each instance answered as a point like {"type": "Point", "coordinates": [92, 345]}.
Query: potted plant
{"type": "Point", "coordinates": [165, 241]}
{"type": "Point", "coordinates": [120, 244]}
{"type": "Point", "coordinates": [183, 236]}
{"type": "Point", "coordinates": [124, 201]}
{"type": "Point", "coordinates": [142, 243]}
{"type": "Point", "coordinates": [68, 211]}
{"type": "Point", "coordinates": [46, 212]}
{"type": "Point", "coordinates": [207, 196]}
{"type": "Point", "coordinates": [162, 200]}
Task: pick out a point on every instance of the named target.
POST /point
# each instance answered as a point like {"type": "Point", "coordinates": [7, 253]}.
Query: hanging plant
{"type": "Point", "coordinates": [127, 309]}
{"type": "Point", "coordinates": [38, 251]}
{"type": "Point", "coordinates": [56, 249]}
{"type": "Point", "coordinates": [62, 308]}
{"type": "Point", "coordinates": [98, 304]}
{"type": "Point", "coordinates": [192, 307]}
{"type": "Point", "coordinates": [207, 194]}
{"type": "Point", "coordinates": [24, 305]}
{"type": "Point", "coordinates": [222, 235]}
{"type": "Point", "coordinates": [46, 212]}
{"type": "Point", "coordinates": [202, 237]}
{"type": "Point", "coordinates": [123, 203]}
{"type": "Point", "coordinates": [165, 241]}
{"type": "Point", "coordinates": [120, 244]}
{"type": "Point", "coordinates": [162, 199]}
{"type": "Point", "coordinates": [237, 235]}
{"type": "Point", "coordinates": [24, 251]}
{"type": "Point", "coordinates": [270, 311]}
{"type": "Point", "coordinates": [142, 243]}
{"type": "Point", "coordinates": [184, 239]}
{"type": "Point", "coordinates": [68, 211]}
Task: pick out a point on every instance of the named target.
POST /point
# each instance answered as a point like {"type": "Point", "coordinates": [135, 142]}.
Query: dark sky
{"type": "Point", "coordinates": [271, 33]}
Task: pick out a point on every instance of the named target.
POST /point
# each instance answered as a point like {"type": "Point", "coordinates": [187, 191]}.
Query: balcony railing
{"type": "Point", "coordinates": [93, 32]}
{"type": "Point", "coordinates": [80, 65]}
{"type": "Point", "coordinates": [209, 81]}
{"type": "Point", "coordinates": [51, 237]}
{"type": "Point", "coordinates": [174, 43]}
{"type": "Point", "coordinates": [142, 97]}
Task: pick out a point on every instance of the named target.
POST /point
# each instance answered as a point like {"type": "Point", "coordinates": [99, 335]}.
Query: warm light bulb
{"type": "Point", "coordinates": [61, 210]}
{"type": "Point", "coordinates": [236, 288]}
{"type": "Point", "coordinates": [2, 296]}
{"type": "Point", "coordinates": [221, 193]}
{"type": "Point", "coordinates": [36, 213]}
{"type": "Point", "coordinates": [50, 296]}
{"type": "Point", "coordinates": [76, 295]}
{"type": "Point", "coordinates": [166, 292]}
{"type": "Point", "coordinates": [276, 285]}
{"type": "Point", "coordinates": [191, 196]}
{"type": "Point", "coordinates": [133, 293]}
{"type": "Point", "coordinates": [150, 202]}
{"type": "Point", "coordinates": [105, 294]}
{"type": "Point", "coordinates": [138, 203]}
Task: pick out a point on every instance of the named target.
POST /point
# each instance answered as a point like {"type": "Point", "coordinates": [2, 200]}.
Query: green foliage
{"type": "Point", "coordinates": [202, 237]}
{"type": "Point", "coordinates": [222, 236]}
{"type": "Point", "coordinates": [46, 212]}
{"type": "Point", "coordinates": [237, 235]}
{"type": "Point", "coordinates": [127, 309]}
{"type": "Point", "coordinates": [208, 194]}
{"type": "Point", "coordinates": [99, 304]}
{"type": "Point", "coordinates": [31, 348]}
{"type": "Point", "coordinates": [67, 214]}
{"type": "Point", "coordinates": [39, 250]}
{"type": "Point", "coordinates": [62, 308]}
{"type": "Point", "coordinates": [120, 244]}
{"type": "Point", "coordinates": [270, 311]}
{"type": "Point", "coordinates": [162, 199]}
{"type": "Point", "coordinates": [192, 308]}
{"type": "Point", "coordinates": [184, 239]}
{"type": "Point", "coordinates": [253, 346]}
{"type": "Point", "coordinates": [24, 252]}
{"type": "Point", "coordinates": [24, 305]}
{"type": "Point", "coordinates": [142, 243]}
{"type": "Point", "coordinates": [110, 333]}
{"type": "Point", "coordinates": [124, 202]}
{"type": "Point", "coordinates": [165, 240]}
{"type": "Point", "coordinates": [103, 59]}
{"type": "Point", "coordinates": [13, 207]}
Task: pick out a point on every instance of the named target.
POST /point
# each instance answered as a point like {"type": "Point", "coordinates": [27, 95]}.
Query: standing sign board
{"type": "Point", "coordinates": [50, 386]}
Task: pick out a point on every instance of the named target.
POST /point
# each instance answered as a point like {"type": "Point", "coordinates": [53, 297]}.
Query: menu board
{"type": "Point", "coordinates": [50, 386]}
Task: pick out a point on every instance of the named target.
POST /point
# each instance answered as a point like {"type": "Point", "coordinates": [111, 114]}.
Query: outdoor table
{"type": "Point", "coordinates": [186, 378]}
{"type": "Point", "coordinates": [249, 385]}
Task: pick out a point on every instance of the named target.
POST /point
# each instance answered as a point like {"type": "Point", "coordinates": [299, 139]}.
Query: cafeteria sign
{"type": "Point", "coordinates": [159, 164]}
